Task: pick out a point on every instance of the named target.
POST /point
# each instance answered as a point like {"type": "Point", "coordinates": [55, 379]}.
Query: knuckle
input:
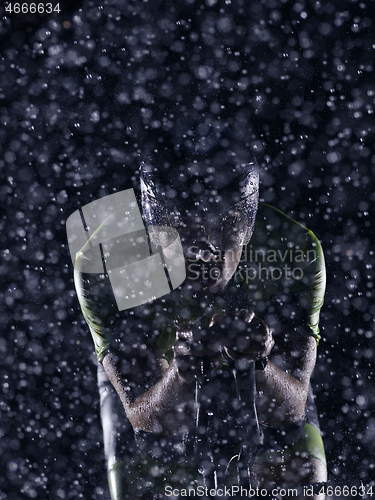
{"type": "Point", "coordinates": [181, 347]}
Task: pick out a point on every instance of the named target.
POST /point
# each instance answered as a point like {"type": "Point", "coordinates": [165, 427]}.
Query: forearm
{"type": "Point", "coordinates": [164, 408]}
{"type": "Point", "coordinates": [281, 397]}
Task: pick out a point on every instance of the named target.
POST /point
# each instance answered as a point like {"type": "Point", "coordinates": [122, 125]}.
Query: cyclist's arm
{"type": "Point", "coordinates": [164, 408]}
{"type": "Point", "coordinates": [283, 385]}
{"type": "Point", "coordinates": [282, 393]}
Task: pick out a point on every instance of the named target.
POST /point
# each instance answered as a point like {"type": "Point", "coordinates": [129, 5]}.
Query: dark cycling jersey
{"type": "Point", "coordinates": [281, 276]}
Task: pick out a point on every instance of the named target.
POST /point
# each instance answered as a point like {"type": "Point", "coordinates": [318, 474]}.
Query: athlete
{"type": "Point", "coordinates": [176, 375]}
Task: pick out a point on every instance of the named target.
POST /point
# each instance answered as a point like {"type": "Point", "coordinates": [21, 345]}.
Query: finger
{"type": "Point", "coordinates": [186, 335]}
{"type": "Point", "coordinates": [197, 342]}
{"type": "Point", "coordinates": [181, 348]}
{"type": "Point", "coordinates": [245, 314]}
{"type": "Point", "coordinates": [259, 323]}
{"type": "Point", "coordinates": [216, 318]}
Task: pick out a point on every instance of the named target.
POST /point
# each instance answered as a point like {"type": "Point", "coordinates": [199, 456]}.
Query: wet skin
{"type": "Point", "coordinates": [281, 396]}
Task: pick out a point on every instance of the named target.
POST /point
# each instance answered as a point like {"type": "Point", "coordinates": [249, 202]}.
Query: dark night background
{"type": "Point", "coordinates": [82, 98]}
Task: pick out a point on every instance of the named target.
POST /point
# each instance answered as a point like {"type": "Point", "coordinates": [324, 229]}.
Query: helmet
{"type": "Point", "coordinates": [213, 198]}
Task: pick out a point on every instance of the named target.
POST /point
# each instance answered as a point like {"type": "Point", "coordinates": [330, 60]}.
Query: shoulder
{"type": "Point", "coordinates": [285, 259]}
{"type": "Point", "coordinates": [272, 222]}
{"type": "Point", "coordinates": [276, 232]}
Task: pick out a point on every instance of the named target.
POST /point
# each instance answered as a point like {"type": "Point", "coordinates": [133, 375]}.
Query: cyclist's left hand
{"type": "Point", "coordinates": [243, 334]}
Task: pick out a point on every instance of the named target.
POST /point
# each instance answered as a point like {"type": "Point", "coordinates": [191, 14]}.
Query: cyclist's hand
{"type": "Point", "coordinates": [244, 334]}
{"type": "Point", "coordinates": [195, 347]}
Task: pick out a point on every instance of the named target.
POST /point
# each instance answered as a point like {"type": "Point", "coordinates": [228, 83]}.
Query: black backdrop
{"type": "Point", "coordinates": [83, 97]}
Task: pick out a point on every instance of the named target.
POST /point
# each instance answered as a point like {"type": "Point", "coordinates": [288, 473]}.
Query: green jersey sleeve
{"type": "Point", "coordinates": [97, 303]}
{"type": "Point", "coordinates": [284, 260]}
